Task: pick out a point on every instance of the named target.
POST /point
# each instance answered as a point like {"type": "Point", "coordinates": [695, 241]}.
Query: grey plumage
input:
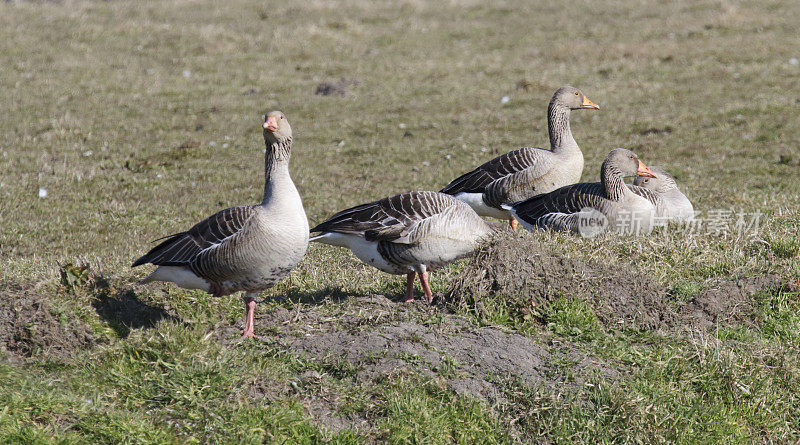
{"type": "Point", "coordinates": [244, 248]}
{"type": "Point", "coordinates": [409, 233]}
{"type": "Point", "coordinates": [611, 202]}
{"type": "Point", "coordinates": [529, 171]}
{"type": "Point", "coordinates": [663, 192]}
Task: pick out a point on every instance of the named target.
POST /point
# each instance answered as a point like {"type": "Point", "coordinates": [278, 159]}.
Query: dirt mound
{"type": "Point", "coordinates": [335, 88]}
{"type": "Point", "coordinates": [524, 273]}
{"type": "Point", "coordinates": [371, 339]}
{"type": "Point", "coordinates": [730, 301]}
{"type": "Point", "coordinates": [28, 328]}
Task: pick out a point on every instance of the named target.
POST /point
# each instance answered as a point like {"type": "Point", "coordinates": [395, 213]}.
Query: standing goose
{"type": "Point", "coordinates": [245, 248]}
{"type": "Point", "coordinates": [529, 171]}
{"type": "Point", "coordinates": [410, 233]}
{"type": "Point", "coordinates": [590, 207]}
{"type": "Point", "coordinates": [672, 205]}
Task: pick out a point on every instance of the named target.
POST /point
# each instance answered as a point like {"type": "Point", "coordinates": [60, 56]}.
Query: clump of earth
{"type": "Point", "coordinates": [526, 273]}
{"type": "Point", "coordinates": [28, 328]}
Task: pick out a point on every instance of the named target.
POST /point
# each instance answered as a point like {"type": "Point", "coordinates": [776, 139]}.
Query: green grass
{"type": "Point", "coordinates": [572, 318]}
{"type": "Point", "coordinates": [139, 119]}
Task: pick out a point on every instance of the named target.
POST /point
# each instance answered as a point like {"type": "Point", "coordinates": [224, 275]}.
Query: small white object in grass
{"type": "Point", "coordinates": [226, 145]}
{"type": "Point", "coordinates": [794, 62]}
{"type": "Point", "coordinates": [341, 143]}
{"type": "Point", "coordinates": [42, 192]}
{"type": "Point", "coordinates": [402, 126]}
{"type": "Point", "coordinates": [139, 48]}
{"type": "Point", "coordinates": [88, 153]}
{"type": "Point", "coordinates": [484, 149]}
{"type": "Point", "coordinates": [426, 163]}
{"type": "Point", "coordinates": [159, 175]}
{"type": "Point", "coordinates": [212, 143]}
{"type": "Point", "coordinates": [187, 73]}
{"type": "Point", "coordinates": [505, 100]}
{"type": "Point", "coordinates": [739, 116]}
{"type": "Point", "coordinates": [447, 156]}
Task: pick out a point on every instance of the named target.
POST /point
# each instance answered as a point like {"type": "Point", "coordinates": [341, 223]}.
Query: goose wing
{"type": "Point", "coordinates": [567, 200]}
{"type": "Point", "coordinates": [405, 218]}
{"type": "Point", "coordinates": [503, 166]}
{"type": "Point", "coordinates": [186, 248]}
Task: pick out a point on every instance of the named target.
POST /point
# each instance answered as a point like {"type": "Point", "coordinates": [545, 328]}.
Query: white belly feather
{"type": "Point", "coordinates": [181, 276]}
{"type": "Point", "coordinates": [366, 251]}
{"type": "Point", "coordinates": [475, 200]}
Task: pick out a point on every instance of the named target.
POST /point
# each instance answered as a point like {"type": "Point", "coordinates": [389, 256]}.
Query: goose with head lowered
{"type": "Point", "coordinates": [410, 233]}
{"type": "Point", "coordinates": [530, 171]}
{"type": "Point", "coordinates": [670, 203]}
{"type": "Point", "coordinates": [246, 248]}
{"type": "Point", "coordinates": [589, 208]}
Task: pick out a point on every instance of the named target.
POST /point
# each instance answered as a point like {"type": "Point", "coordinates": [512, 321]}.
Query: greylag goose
{"type": "Point", "coordinates": [529, 171]}
{"type": "Point", "coordinates": [588, 208]}
{"type": "Point", "coordinates": [672, 205]}
{"type": "Point", "coordinates": [245, 248]}
{"type": "Point", "coordinates": [410, 233]}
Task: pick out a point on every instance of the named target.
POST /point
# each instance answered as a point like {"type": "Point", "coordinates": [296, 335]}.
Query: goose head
{"type": "Point", "coordinates": [627, 163]}
{"type": "Point", "coordinates": [276, 127]}
{"type": "Point", "coordinates": [573, 99]}
{"type": "Point", "coordinates": [662, 183]}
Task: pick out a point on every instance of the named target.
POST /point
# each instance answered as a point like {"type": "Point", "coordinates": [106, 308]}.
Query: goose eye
{"type": "Point", "coordinates": [281, 117]}
{"type": "Point", "coordinates": [576, 93]}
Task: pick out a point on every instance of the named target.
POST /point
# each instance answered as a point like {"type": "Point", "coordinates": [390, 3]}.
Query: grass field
{"type": "Point", "coordinates": [139, 119]}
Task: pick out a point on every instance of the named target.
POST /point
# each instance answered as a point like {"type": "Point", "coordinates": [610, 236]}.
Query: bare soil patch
{"type": "Point", "coordinates": [731, 301]}
{"type": "Point", "coordinates": [525, 273]}
{"type": "Point", "coordinates": [28, 328]}
{"type": "Point", "coordinates": [339, 87]}
{"type": "Point", "coordinates": [379, 340]}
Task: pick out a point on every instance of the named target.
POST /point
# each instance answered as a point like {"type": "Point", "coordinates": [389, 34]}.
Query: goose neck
{"type": "Point", "coordinates": [276, 165]}
{"type": "Point", "coordinates": [613, 182]}
{"type": "Point", "coordinates": [558, 128]}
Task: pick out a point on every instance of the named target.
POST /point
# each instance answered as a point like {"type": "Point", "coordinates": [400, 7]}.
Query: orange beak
{"type": "Point", "coordinates": [589, 104]}
{"type": "Point", "coordinates": [271, 124]}
{"type": "Point", "coordinates": [644, 171]}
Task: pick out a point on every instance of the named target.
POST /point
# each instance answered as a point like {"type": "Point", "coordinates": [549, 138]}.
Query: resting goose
{"type": "Point", "coordinates": [245, 248]}
{"type": "Point", "coordinates": [410, 233]}
{"type": "Point", "coordinates": [587, 208]}
{"type": "Point", "coordinates": [672, 205]}
{"type": "Point", "coordinates": [529, 171]}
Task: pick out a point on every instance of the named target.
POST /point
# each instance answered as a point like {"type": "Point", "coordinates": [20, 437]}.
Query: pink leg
{"type": "Point", "coordinates": [426, 288]}
{"type": "Point", "coordinates": [250, 307]}
{"type": "Point", "coordinates": [513, 223]}
{"type": "Point", "coordinates": [409, 287]}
